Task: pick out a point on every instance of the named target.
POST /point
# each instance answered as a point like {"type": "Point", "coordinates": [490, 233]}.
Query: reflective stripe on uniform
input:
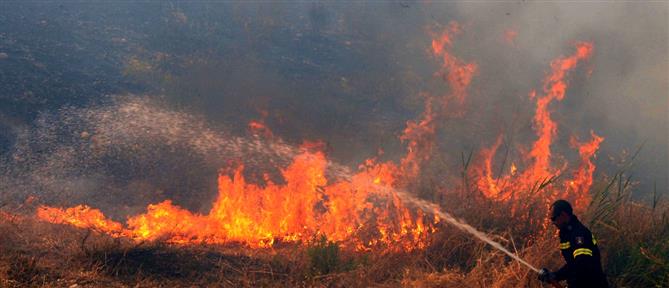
{"type": "Point", "coordinates": [564, 245]}
{"type": "Point", "coordinates": [582, 251]}
{"type": "Point", "coordinates": [594, 241]}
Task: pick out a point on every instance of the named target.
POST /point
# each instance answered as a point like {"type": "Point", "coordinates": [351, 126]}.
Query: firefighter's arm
{"type": "Point", "coordinates": [563, 273]}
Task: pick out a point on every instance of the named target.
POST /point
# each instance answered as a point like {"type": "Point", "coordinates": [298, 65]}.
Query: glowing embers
{"type": "Point", "coordinates": [357, 212]}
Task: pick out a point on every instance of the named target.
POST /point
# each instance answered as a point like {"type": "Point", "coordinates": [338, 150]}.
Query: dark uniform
{"type": "Point", "coordinates": [579, 249]}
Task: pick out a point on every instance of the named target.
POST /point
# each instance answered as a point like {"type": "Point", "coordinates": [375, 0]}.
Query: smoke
{"type": "Point", "coordinates": [621, 95]}
{"type": "Point", "coordinates": [349, 74]}
{"type": "Point", "coordinates": [128, 152]}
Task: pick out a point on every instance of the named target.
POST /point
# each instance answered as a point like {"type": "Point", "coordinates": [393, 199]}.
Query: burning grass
{"type": "Point", "coordinates": [632, 236]}
{"type": "Point", "coordinates": [363, 228]}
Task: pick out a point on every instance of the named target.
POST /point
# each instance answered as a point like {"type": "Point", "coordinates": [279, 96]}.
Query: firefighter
{"type": "Point", "coordinates": [579, 249]}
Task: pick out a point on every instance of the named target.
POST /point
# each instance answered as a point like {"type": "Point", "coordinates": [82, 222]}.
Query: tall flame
{"type": "Point", "coordinates": [305, 206]}
{"type": "Point", "coordinates": [353, 210]}
{"type": "Point", "coordinates": [420, 134]}
{"type": "Point", "coordinates": [555, 87]}
{"type": "Point", "coordinates": [356, 211]}
{"type": "Point", "coordinates": [420, 138]}
{"type": "Point", "coordinates": [457, 73]}
{"type": "Point", "coordinates": [582, 178]}
{"type": "Point", "coordinates": [539, 166]}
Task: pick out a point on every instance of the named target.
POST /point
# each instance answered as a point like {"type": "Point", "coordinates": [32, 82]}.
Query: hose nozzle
{"type": "Point", "coordinates": [545, 275]}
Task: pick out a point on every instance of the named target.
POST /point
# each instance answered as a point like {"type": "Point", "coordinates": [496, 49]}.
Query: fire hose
{"type": "Point", "coordinates": [428, 206]}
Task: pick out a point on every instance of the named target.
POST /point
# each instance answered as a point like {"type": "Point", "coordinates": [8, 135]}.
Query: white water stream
{"type": "Point", "coordinates": [130, 121]}
{"type": "Point", "coordinates": [433, 208]}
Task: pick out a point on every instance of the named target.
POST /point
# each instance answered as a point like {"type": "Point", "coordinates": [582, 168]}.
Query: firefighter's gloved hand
{"type": "Point", "coordinates": [546, 275]}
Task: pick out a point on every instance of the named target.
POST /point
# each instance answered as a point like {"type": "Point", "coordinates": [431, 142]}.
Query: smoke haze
{"type": "Point", "coordinates": [192, 75]}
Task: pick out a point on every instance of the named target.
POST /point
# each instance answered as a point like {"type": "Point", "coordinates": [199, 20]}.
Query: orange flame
{"type": "Point", "coordinates": [580, 184]}
{"type": "Point", "coordinates": [356, 210]}
{"type": "Point", "coordinates": [513, 169]}
{"type": "Point", "coordinates": [80, 216]}
{"type": "Point", "coordinates": [303, 207]}
{"type": "Point", "coordinates": [420, 134]}
{"type": "Point", "coordinates": [510, 36]}
{"type": "Point", "coordinates": [420, 141]}
{"type": "Point", "coordinates": [456, 72]}
{"type": "Point", "coordinates": [487, 182]}
{"type": "Point", "coordinates": [539, 167]}
{"type": "Point", "coordinates": [555, 87]}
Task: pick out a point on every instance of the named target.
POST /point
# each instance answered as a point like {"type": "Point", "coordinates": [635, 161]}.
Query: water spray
{"type": "Point", "coordinates": [121, 123]}
{"type": "Point", "coordinates": [344, 172]}
{"type": "Point", "coordinates": [429, 206]}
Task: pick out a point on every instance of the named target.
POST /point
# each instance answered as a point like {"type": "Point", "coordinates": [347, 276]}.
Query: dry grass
{"type": "Point", "coordinates": [632, 236]}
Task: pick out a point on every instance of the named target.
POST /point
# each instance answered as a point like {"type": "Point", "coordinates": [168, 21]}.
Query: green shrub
{"type": "Point", "coordinates": [324, 257]}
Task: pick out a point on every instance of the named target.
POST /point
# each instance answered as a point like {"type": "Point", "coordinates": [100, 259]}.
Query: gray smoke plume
{"type": "Point", "coordinates": [348, 73]}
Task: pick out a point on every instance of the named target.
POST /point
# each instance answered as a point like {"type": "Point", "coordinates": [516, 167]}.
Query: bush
{"type": "Point", "coordinates": [324, 257]}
